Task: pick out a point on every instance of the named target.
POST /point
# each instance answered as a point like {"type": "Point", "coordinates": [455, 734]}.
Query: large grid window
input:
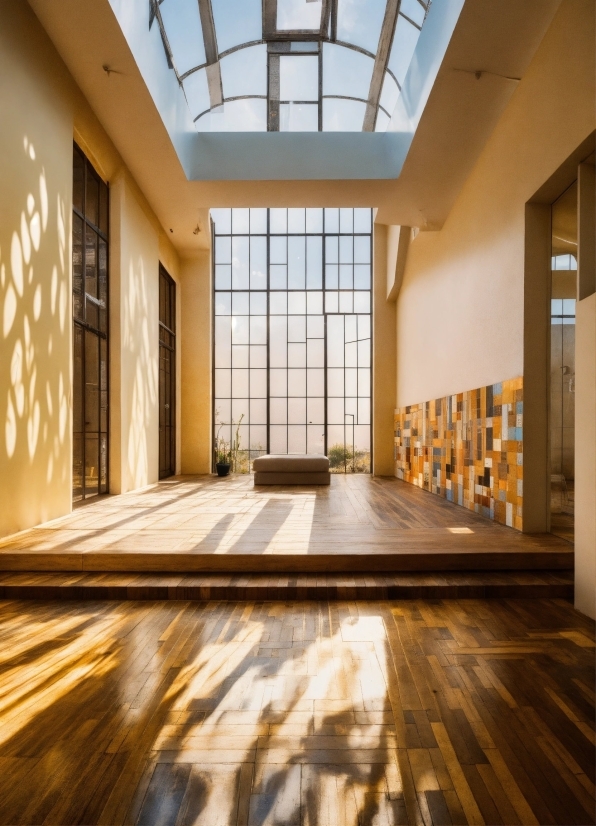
{"type": "Point", "coordinates": [90, 329]}
{"type": "Point", "coordinates": [292, 355]}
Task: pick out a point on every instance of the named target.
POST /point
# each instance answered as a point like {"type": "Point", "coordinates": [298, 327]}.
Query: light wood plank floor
{"type": "Point", "coordinates": [359, 523]}
{"type": "Point", "coordinates": [321, 714]}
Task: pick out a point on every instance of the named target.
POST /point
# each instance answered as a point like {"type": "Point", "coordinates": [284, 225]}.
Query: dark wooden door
{"type": "Point", "coordinates": [167, 375]}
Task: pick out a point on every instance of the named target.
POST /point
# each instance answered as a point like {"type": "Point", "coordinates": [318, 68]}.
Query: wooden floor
{"type": "Point", "coordinates": [322, 714]}
{"type": "Point", "coordinates": [358, 524]}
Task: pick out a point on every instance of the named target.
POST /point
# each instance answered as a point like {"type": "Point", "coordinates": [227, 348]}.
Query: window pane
{"type": "Point", "coordinates": [258, 220]}
{"type": "Point", "coordinates": [314, 262]}
{"type": "Point", "coordinates": [346, 72]}
{"type": "Point", "coordinates": [296, 220]}
{"type": "Point", "coordinates": [236, 21]}
{"type": "Point", "coordinates": [345, 302]}
{"type": "Point", "coordinates": [298, 78]}
{"type": "Point", "coordinates": [343, 115]}
{"type": "Point", "coordinates": [223, 277]}
{"type": "Point", "coordinates": [182, 23]}
{"type": "Point", "coordinates": [296, 411]}
{"type": "Point", "coordinates": [246, 115]}
{"type": "Point", "coordinates": [296, 438]}
{"type": "Point", "coordinates": [299, 117]}
{"type": "Point", "coordinates": [315, 382]}
{"type": "Point", "coordinates": [278, 439]}
{"type": "Point", "coordinates": [245, 73]}
{"type": "Point", "coordinates": [278, 382]}
{"type": "Point", "coordinates": [258, 329]}
{"type": "Point", "coordinates": [240, 355]}
{"type": "Point", "coordinates": [258, 412]}
{"type": "Point", "coordinates": [223, 304]}
{"type": "Point", "coordinates": [222, 218]}
{"type": "Point", "coordinates": [258, 303]}
{"type": "Point", "coordinates": [258, 355]}
{"type": "Point", "coordinates": [402, 49]}
{"type": "Point", "coordinates": [298, 14]}
{"type": "Point", "coordinates": [240, 262]}
{"type": "Point", "coordinates": [360, 23]}
{"type": "Point", "coordinates": [239, 303]}
{"type": "Point", "coordinates": [314, 220]}
{"type": "Point", "coordinates": [297, 383]}
{"type": "Point", "coordinates": [196, 89]}
{"type": "Point", "coordinates": [346, 221]}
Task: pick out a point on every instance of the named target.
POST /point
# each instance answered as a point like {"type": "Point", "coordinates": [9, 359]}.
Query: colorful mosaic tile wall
{"type": "Point", "coordinates": [467, 448]}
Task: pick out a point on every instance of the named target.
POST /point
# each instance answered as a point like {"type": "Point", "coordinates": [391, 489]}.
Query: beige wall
{"type": "Point", "coordinates": [460, 314]}
{"type": "Point", "coordinates": [383, 376]}
{"type": "Point", "coordinates": [42, 111]}
{"type": "Point", "coordinates": [134, 343]}
{"type": "Point", "coordinates": [35, 278]}
{"type": "Point", "coordinates": [196, 362]}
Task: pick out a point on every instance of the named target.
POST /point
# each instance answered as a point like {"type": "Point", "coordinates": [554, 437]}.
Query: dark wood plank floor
{"type": "Point", "coordinates": [357, 524]}
{"type": "Point", "coordinates": [334, 714]}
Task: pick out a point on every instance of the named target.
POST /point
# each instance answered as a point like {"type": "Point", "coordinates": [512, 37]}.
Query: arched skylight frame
{"type": "Point", "coordinates": [237, 85]}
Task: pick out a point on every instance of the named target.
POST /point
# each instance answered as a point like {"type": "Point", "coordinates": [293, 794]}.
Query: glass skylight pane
{"type": "Point", "coordinates": [298, 77]}
{"type": "Point", "coordinates": [346, 72]}
{"type": "Point", "coordinates": [314, 220]}
{"type": "Point", "coordinates": [197, 92]}
{"type": "Point", "coordinates": [236, 22]}
{"type": "Point", "coordinates": [298, 14]}
{"type": "Point", "coordinates": [182, 23]}
{"type": "Point", "coordinates": [389, 94]}
{"type": "Point", "coordinates": [298, 117]}
{"type": "Point", "coordinates": [236, 116]}
{"type": "Point", "coordinates": [343, 115]}
{"type": "Point", "coordinates": [244, 72]}
{"type": "Point", "coordinates": [382, 121]}
{"type": "Point", "coordinates": [414, 10]}
{"type": "Point", "coordinates": [359, 22]}
{"type": "Point", "coordinates": [404, 43]}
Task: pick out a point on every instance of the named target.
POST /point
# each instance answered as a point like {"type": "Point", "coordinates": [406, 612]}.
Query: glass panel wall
{"type": "Point", "coordinates": [562, 362]}
{"type": "Point", "coordinates": [90, 330]}
{"type": "Point", "coordinates": [292, 355]}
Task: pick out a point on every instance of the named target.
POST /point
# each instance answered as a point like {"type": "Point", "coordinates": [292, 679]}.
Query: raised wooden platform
{"type": "Point", "coordinates": [266, 588]}
{"type": "Point", "coordinates": [203, 524]}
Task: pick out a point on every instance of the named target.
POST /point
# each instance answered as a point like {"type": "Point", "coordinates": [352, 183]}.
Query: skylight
{"type": "Point", "coordinates": [290, 65]}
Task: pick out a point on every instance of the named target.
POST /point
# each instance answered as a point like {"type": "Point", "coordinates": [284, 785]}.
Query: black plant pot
{"type": "Point", "coordinates": [222, 469]}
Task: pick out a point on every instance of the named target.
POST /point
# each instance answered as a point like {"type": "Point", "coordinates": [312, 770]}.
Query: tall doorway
{"type": "Point", "coordinates": [167, 374]}
{"type": "Point", "coordinates": [562, 362]}
{"type": "Point", "coordinates": [90, 330]}
{"type": "Point", "coordinates": [292, 348]}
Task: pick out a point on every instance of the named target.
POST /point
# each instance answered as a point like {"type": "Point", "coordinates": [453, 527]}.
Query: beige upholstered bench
{"type": "Point", "coordinates": [291, 469]}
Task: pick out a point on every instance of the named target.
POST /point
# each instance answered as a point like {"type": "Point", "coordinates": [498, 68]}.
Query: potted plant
{"type": "Point", "coordinates": [222, 458]}
{"type": "Point", "coordinates": [222, 453]}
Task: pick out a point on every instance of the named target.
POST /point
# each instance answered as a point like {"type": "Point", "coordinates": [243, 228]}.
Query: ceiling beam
{"type": "Point", "coordinates": [380, 66]}
{"type": "Point", "coordinates": [269, 18]}
{"type": "Point", "coordinates": [211, 55]}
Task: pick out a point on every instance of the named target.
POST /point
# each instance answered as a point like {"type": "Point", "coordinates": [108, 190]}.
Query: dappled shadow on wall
{"type": "Point", "coordinates": [35, 364]}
